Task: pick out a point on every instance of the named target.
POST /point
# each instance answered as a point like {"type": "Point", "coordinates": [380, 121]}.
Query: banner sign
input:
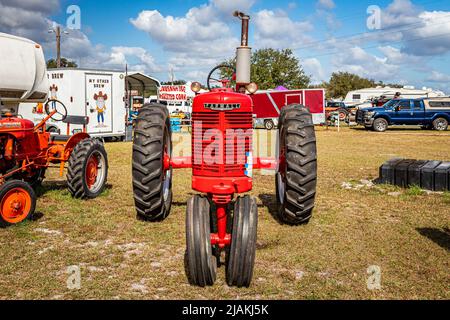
{"type": "Point", "coordinates": [173, 93]}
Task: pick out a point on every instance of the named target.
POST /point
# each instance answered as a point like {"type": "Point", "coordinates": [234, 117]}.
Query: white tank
{"type": "Point", "coordinates": [23, 71]}
{"type": "Point", "coordinates": [243, 65]}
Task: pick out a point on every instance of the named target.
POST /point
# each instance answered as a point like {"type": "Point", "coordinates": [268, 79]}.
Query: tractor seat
{"type": "Point", "coordinates": [80, 120]}
{"type": "Point", "coordinates": [59, 138]}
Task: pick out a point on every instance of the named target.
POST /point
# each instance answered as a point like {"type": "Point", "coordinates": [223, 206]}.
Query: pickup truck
{"type": "Point", "coordinates": [429, 113]}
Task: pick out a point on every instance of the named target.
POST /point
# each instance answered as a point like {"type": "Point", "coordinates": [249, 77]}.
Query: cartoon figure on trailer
{"type": "Point", "coordinates": [53, 95]}
{"type": "Point", "coordinates": [100, 99]}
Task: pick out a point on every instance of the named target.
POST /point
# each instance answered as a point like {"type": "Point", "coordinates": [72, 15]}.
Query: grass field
{"type": "Point", "coordinates": [404, 232]}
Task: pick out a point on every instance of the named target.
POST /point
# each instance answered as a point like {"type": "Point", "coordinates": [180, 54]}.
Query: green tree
{"type": "Point", "coordinates": [65, 63]}
{"type": "Point", "coordinates": [175, 83]}
{"type": "Point", "coordinates": [343, 82]}
{"type": "Point", "coordinates": [272, 68]}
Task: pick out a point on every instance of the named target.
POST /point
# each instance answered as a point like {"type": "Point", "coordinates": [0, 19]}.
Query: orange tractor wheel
{"type": "Point", "coordinates": [88, 169]}
{"type": "Point", "coordinates": [17, 202]}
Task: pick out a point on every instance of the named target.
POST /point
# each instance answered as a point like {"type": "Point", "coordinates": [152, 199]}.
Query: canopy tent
{"type": "Point", "coordinates": [141, 83]}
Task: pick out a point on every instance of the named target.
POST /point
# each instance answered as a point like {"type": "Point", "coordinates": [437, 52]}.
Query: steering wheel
{"type": "Point", "coordinates": [59, 107]}
{"type": "Point", "coordinates": [223, 76]}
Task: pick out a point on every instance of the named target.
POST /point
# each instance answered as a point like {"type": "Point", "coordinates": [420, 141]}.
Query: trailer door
{"type": "Point", "coordinates": [99, 103]}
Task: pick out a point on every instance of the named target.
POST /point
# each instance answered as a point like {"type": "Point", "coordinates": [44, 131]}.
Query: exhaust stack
{"type": "Point", "coordinates": [244, 52]}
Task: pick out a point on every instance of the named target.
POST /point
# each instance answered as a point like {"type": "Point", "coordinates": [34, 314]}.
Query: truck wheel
{"type": "Point", "coordinates": [152, 145]}
{"type": "Point", "coordinates": [17, 202]}
{"type": "Point", "coordinates": [241, 255]}
{"type": "Point", "coordinates": [296, 178]}
{"type": "Point", "coordinates": [200, 263]}
{"type": "Point", "coordinates": [269, 125]}
{"type": "Point", "coordinates": [88, 169]}
{"type": "Point", "coordinates": [380, 125]}
{"type": "Point", "coordinates": [440, 124]}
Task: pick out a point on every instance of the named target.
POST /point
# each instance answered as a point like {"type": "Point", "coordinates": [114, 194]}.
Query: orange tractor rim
{"type": "Point", "coordinates": [92, 171]}
{"type": "Point", "coordinates": [15, 205]}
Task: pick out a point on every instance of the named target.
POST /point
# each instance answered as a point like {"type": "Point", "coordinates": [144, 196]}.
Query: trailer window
{"type": "Point", "coordinates": [439, 104]}
{"type": "Point", "coordinates": [356, 97]}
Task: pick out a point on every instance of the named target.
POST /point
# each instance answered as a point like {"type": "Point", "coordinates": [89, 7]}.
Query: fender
{"type": "Point", "coordinates": [385, 117]}
{"type": "Point", "coordinates": [72, 142]}
{"type": "Point", "coordinates": [441, 115]}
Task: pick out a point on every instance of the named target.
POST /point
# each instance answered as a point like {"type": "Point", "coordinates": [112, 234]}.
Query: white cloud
{"type": "Point", "coordinates": [195, 32]}
{"type": "Point", "coordinates": [146, 62]}
{"type": "Point", "coordinates": [313, 68]}
{"type": "Point", "coordinates": [439, 77]}
{"type": "Point", "coordinates": [357, 60]}
{"type": "Point", "coordinates": [326, 4]}
{"type": "Point", "coordinates": [422, 33]}
{"type": "Point", "coordinates": [275, 29]}
{"type": "Point", "coordinates": [27, 18]}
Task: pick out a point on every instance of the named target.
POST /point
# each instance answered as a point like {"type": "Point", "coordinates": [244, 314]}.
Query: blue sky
{"type": "Point", "coordinates": [190, 37]}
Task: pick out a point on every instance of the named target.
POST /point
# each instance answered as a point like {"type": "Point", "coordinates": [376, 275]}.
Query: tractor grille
{"type": "Point", "coordinates": [220, 143]}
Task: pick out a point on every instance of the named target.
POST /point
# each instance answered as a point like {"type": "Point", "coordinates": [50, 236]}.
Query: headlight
{"type": "Point", "coordinates": [196, 87]}
{"type": "Point", "coordinates": [252, 87]}
{"type": "Point", "coordinates": [370, 114]}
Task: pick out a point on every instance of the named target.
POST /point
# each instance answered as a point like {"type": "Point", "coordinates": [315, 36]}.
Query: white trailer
{"type": "Point", "coordinates": [97, 94]}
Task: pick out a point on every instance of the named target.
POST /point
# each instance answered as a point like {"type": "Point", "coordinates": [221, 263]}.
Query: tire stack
{"type": "Point", "coordinates": [429, 175]}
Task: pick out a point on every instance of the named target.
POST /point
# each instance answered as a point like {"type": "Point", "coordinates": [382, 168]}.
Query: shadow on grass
{"type": "Point", "coordinates": [60, 185]}
{"type": "Point", "coordinates": [438, 236]}
{"type": "Point", "coordinates": [270, 202]}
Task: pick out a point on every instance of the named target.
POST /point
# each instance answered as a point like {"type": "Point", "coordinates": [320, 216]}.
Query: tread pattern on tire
{"type": "Point", "coordinates": [242, 252]}
{"type": "Point", "coordinates": [148, 153]}
{"type": "Point", "coordinates": [201, 265]}
{"type": "Point", "coordinates": [76, 180]}
{"type": "Point", "coordinates": [301, 165]}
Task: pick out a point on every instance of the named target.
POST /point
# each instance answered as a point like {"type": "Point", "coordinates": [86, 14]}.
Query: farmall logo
{"type": "Point", "coordinates": [222, 106]}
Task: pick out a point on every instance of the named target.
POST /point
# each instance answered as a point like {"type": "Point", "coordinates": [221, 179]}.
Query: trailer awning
{"type": "Point", "coordinates": [141, 82]}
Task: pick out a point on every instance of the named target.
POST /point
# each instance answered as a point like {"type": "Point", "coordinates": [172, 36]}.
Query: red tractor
{"type": "Point", "coordinates": [26, 151]}
{"type": "Point", "coordinates": [222, 165]}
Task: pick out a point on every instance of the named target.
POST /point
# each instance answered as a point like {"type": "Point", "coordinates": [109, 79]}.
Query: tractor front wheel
{"type": "Point", "coordinates": [88, 169]}
{"type": "Point", "coordinates": [17, 202]}
{"type": "Point", "coordinates": [200, 263]}
{"type": "Point", "coordinates": [241, 255]}
{"type": "Point", "coordinates": [296, 178]}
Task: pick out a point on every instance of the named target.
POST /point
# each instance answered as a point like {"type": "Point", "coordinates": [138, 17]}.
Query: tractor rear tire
{"type": "Point", "coordinates": [88, 169]}
{"type": "Point", "coordinates": [152, 187]}
{"type": "Point", "coordinates": [17, 202]}
{"type": "Point", "coordinates": [242, 252]}
{"type": "Point", "coordinates": [296, 179]}
{"type": "Point", "coordinates": [200, 263]}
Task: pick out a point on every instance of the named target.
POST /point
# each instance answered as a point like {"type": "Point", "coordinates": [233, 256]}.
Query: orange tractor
{"type": "Point", "coordinates": [26, 151]}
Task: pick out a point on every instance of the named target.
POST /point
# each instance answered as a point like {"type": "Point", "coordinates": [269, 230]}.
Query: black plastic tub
{"type": "Point", "coordinates": [414, 172]}
{"type": "Point", "coordinates": [427, 177]}
{"type": "Point", "coordinates": [441, 177]}
{"type": "Point", "coordinates": [401, 172]}
{"type": "Point", "coordinates": [387, 171]}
